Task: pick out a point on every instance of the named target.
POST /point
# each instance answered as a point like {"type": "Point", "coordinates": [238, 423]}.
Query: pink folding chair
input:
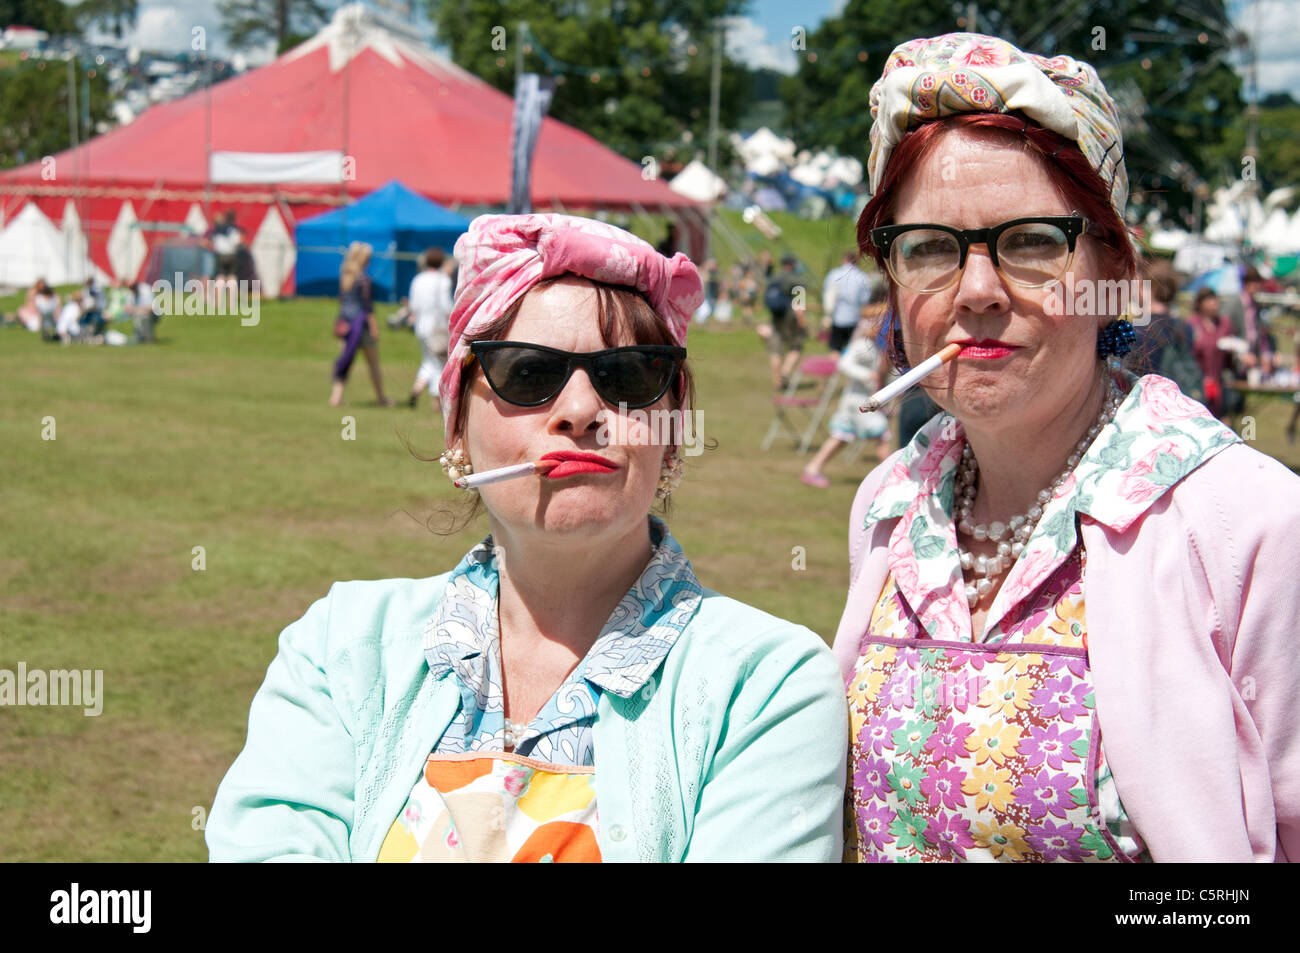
{"type": "Point", "coordinates": [789, 405]}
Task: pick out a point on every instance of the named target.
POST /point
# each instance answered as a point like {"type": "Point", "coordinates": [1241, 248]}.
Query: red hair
{"type": "Point", "coordinates": [1066, 166]}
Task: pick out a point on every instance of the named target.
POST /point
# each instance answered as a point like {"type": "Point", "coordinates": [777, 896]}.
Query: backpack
{"type": "Point", "coordinates": [777, 297]}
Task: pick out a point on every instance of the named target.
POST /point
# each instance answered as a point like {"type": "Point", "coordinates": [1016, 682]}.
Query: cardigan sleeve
{"type": "Point", "coordinates": [289, 794]}
{"type": "Point", "coordinates": [1264, 667]}
{"type": "Point", "coordinates": [774, 789]}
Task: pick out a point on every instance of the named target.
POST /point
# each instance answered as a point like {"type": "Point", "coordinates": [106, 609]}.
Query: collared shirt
{"type": "Point", "coordinates": [851, 288]}
{"type": "Point", "coordinates": [1157, 437]}
{"type": "Point", "coordinates": [462, 637]}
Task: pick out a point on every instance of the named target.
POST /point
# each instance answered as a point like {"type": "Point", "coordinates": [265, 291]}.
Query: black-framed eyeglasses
{"type": "Point", "coordinates": [529, 375]}
{"type": "Point", "coordinates": [1031, 252]}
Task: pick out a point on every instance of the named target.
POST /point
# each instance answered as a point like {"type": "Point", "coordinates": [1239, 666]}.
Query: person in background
{"type": "Point", "coordinates": [430, 302]}
{"type": "Point", "coordinates": [144, 319]}
{"type": "Point", "coordinates": [402, 319]}
{"type": "Point", "coordinates": [92, 312]}
{"type": "Point", "coordinates": [746, 290]}
{"type": "Point", "coordinates": [710, 276]}
{"type": "Point", "coordinates": [1166, 340]}
{"type": "Point", "coordinates": [845, 294]}
{"type": "Point", "coordinates": [1248, 323]}
{"type": "Point", "coordinates": [862, 364]}
{"type": "Point", "coordinates": [356, 306]}
{"type": "Point", "coordinates": [1209, 327]}
{"type": "Point", "coordinates": [46, 301]}
{"type": "Point", "coordinates": [68, 324]}
{"type": "Point", "coordinates": [28, 313]}
{"type": "Point", "coordinates": [225, 239]}
{"type": "Point", "coordinates": [789, 328]}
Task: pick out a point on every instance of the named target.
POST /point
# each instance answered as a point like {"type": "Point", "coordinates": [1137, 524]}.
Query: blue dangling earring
{"type": "Point", "coordinates": [1116, 338]}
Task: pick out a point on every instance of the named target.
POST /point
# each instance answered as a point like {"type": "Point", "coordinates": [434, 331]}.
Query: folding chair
{"type": "Point", "coordinates": [789, 403]}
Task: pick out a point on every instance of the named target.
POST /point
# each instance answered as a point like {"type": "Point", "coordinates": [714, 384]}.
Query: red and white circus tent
{"type": "Point", "coordinates": [359, 104]}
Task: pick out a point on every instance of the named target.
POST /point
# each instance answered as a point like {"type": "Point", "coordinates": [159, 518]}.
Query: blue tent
{"type": "Point", "coordinates": [396, 222]}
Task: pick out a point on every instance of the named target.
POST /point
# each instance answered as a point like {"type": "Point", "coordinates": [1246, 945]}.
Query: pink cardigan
{"type": "Point", "coordinates": [1194, 642]}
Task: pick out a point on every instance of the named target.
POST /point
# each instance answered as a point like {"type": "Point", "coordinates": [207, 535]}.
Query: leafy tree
{"type": "Point", "coordinates": [634, 74]}
{"type": "Point", "coordinates": [252, 22]}
{"type": "Point", "coordinates": [1278, 160]}
{"type": "Point", "coordinates": [1166, 61]}
{"type": "Point", "coordinates": [34, 110]}
{"type": "Point", "coordinates": [114, 16]}
{"type": "Point", "coordinates": [51, 16]}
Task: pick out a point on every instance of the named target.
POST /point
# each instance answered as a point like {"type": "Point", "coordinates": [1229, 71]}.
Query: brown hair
{"type": "Point", "coordinates": [434, 257]}
{"type": "Point", "coordinates": [625, 317]}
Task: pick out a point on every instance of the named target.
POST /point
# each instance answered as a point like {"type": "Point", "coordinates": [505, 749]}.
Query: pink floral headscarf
{"type": "Point", "coordinates": [503, 256]}
{"type": "Point", "coordinates": [941, 76]}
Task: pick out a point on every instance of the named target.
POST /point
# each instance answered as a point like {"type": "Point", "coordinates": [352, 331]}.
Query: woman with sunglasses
{"type": "Point", "coordinates": [570, 691]}
{"type": "Point", "coordinates": [1070, 621]}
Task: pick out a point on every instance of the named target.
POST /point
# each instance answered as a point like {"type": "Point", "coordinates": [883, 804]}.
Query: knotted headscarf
{"type": "Point", "coordinates": [941, 76]}
{"type": "Point", "coordinates": [503, 256]}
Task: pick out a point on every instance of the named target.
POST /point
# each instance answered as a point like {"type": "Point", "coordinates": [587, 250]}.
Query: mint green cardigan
{"type": "Point", "coordinates": [734, 751]}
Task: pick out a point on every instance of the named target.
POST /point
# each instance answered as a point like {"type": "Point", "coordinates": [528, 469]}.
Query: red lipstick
{"type": "Point", "coordinates": [571, 462]}
{"type": "Point", "coordinates": [986, 349]}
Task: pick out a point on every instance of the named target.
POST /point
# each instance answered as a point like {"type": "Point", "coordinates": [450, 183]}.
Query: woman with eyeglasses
{"type": "Point", "coordinates": [570, 690]}
{"type": "Point", "coordinates": [1070, 625]}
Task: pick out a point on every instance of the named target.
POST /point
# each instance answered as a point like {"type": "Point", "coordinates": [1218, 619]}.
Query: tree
{"type": "Point", "coordinates": [34, 110]}
{"type": "Point", "coordinates": [634, 74]}
{"type": "Point", "coordinates": [51, 16]}
{"type": "Point", "coordinates": [251, 22]}
{"type": "Point", "coordinates": [114, 16]}
{"type": "Point", "coordinates": [1166, 61]}
{"type": "Point", "coordinates": [1278, 161]}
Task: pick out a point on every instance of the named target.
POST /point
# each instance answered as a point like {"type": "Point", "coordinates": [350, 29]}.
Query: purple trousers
{"type": "Point", "coordinates": [358, 336]}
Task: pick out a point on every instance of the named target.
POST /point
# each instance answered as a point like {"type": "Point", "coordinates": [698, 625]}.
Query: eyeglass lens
{"type": "Point", "coordinates": [1034, 253]}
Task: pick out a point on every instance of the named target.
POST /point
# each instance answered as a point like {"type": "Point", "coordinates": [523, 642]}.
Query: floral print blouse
{"type": "Point", "coordinates": [462, 638]}
{"type": "Point", "coordinates": [1157, 437]}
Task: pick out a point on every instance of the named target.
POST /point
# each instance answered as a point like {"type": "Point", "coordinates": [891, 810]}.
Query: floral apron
{"type": "Point", "coordinates": [976, 752]}
{"type": "Point", "coordinates": [494, 806]}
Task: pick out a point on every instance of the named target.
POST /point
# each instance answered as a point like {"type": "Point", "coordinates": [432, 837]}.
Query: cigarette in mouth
{"type": "Point", "coordinates": [473, 480]}
{"type": "Point", "coordinates": [912, 377]}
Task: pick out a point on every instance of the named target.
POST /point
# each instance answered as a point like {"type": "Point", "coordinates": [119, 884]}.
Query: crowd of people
{"type": "Point", "coordinates": [87, 314]}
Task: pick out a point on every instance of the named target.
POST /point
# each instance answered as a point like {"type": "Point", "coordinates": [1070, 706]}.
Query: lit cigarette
{"type": "Point", "coordinates": [474, 480]}
{"type": "Point", "coordinates": [925, 368]}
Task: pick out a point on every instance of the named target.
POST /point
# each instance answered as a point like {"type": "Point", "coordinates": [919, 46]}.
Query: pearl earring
{"type": "Point", "coordinates": [455, 464]}
{"type": "Point", "coordinates": [669, 476]}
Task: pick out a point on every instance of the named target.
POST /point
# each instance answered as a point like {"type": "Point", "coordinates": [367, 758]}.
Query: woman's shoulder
{"type": "Point", "coordinates": [1243, 486]}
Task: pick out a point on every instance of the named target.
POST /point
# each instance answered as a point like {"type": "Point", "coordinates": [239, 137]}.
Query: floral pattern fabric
{"type": "Point", "coordinates": [495, 808]}
{"type": "Point", "coordinates": [1157, 437]}
{"type": "Point", "coordinates": [462, 640]}
{"type": "Point", "coordinates": [933, 77]}
{"type": "Point", "coordinates": [963, 752]}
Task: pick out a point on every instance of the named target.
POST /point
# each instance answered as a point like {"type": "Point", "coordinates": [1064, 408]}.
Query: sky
{"type": "Point", "coordinates": [762, 37]}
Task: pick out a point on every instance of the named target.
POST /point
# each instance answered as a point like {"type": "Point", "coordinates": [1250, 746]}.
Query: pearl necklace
{"type": "Point", "coordinates": [1020, 528]}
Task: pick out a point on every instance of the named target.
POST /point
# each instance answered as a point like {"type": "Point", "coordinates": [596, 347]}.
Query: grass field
{"type": "Point", "coordinates": [220, 437]}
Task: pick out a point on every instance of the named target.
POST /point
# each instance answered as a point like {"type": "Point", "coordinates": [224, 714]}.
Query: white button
{"type": "Point", "coordinates": [616, 832]}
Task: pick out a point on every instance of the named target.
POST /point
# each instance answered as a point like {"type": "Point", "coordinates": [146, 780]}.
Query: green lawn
{"type": "Point", "coordinates": [220, 437]}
